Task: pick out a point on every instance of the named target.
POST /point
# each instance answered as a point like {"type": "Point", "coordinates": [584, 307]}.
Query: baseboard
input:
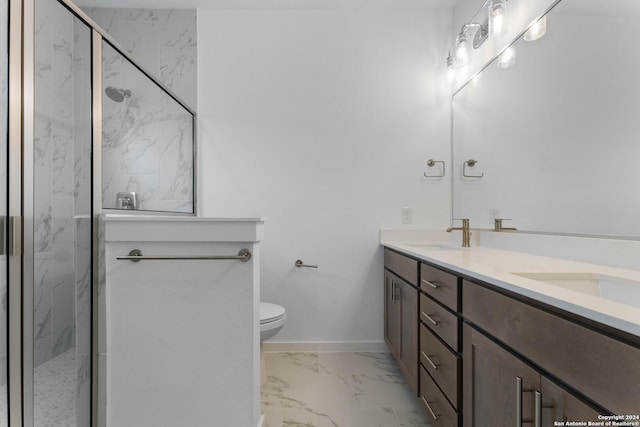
{"type": "Point", "coordinates": [327, 346]}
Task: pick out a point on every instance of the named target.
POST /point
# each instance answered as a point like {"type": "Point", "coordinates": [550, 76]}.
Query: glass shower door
{"type": "Point", "coordinates": [62, 222]}
{"type": "Point", "coordinates": [4, 121]}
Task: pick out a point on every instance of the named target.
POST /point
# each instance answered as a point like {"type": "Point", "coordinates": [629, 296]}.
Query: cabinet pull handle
{"type": "Point", "coordinates": [430, 319]}
{"type": "Point", "coordinates": [433, 285]}
{"type": "Point", "coordinates": [518, 402]}
{"type": "Point", "coordinates": [429, 360]}
{"type": "Point", "coordinates": [394, 291]}
{"type": "Point", "coordinates": [538, 408]}
{"type": "Point", "coordinates": [519, 392]}
{"type": "Point", "coordinates": [433, 414]}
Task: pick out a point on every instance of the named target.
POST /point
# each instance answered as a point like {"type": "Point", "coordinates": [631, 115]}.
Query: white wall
{"type": "Point", "coordinates": [322, 121]}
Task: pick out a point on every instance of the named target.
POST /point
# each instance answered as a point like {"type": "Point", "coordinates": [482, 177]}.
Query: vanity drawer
{"type": "Point", "coordinates": [439, 411]}
{"type": "Point", "coordinates": [442, 364]}
{"type": "Point", "coordinates": [403, 266]}
{"type": "Point", "coordinates": [585, 359]}
{"type": "Point", "coordinates": [440, 320]}
{"type": "Point", "coordinates": [440, 285]}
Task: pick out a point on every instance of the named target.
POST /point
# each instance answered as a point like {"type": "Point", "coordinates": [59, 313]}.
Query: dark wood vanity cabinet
{"type": "Point", "coordinates": [392, 319]}
{"type": "Point", "coordinates": [478, 355]}
{"type": "Point", "coordinates": [440, 345]}
{"type": "Point", "coordinates": [491, 383]}
{"type": "Point", "coordinates": [401, 313]}
{"type": "Point", "coordinates": [502, 389]}
{"type": "Point", "coordinates": [559, 404]}
{"type": "Point", "coordinates": [515, 353]}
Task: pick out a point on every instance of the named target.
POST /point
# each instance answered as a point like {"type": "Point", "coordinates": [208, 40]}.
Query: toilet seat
{"type": "Point", "coordinates": [271, 316]}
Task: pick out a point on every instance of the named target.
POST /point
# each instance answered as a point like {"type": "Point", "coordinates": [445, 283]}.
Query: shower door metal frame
{"type": "Point", "coordinates": [17, 106]}
{"type": "Point", "coordinates": [28, 218]}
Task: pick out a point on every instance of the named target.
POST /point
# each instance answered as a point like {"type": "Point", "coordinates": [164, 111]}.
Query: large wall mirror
{"type": "Point", "coordinates": [556, 136]}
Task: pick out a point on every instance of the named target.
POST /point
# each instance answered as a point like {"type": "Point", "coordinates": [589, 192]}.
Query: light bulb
{"type": "Point", "coordinates": [463, 54]}
{"type": "Point", "coordinates": [451, 75]}
{"type": "Point", "coordinates": [497, 17]}
{"type": "Point", "coordinates": [537, 30]}
{"type": "Point", "coordinates": [508, 58]}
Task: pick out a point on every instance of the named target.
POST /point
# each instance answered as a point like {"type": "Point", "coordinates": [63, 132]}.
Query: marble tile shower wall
{"type": "Point", "coordinates": [62, 182]}
{"type": "Point", "coordinates": [147, 142]}
{"type": "Point", "coordinates": [163, 41]}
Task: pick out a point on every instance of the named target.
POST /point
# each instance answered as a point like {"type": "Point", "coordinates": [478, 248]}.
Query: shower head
{"type": "Point", "coordinates": [117, 95]}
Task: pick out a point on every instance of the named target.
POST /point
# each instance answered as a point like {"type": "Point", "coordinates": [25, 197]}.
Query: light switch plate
{"type": "Point", "coordinates": [407, 215]}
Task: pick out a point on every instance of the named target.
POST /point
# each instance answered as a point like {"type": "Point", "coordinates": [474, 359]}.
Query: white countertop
{"type": "Point", "coordinates": [496, 266]}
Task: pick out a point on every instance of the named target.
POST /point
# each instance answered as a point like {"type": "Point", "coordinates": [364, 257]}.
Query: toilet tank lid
{"type": "Point", "coordinates": [270, 311]}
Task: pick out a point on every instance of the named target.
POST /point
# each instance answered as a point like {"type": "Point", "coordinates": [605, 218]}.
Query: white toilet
{"type": "Point", "coordinates": [272, 319]}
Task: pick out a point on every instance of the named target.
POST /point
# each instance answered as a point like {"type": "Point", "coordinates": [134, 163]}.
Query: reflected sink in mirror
{"type": "Point", "coordinates": [611, 288]}
{"type": "Point", "coordinates": [434, 246]}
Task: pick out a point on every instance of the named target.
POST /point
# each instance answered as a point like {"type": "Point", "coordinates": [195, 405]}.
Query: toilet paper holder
{"type": "Point", "coordinates": [299, 263]}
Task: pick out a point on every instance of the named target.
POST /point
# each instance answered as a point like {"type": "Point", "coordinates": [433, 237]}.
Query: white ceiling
{"type": "Point", "coordinates": [269, 4]}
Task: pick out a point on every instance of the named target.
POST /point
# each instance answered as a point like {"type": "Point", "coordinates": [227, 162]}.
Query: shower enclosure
{"type": "Point", "coordinates": [64, 108]}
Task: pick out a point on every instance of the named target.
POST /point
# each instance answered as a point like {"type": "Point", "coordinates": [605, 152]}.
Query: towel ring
{"type": "Point", "coordinates": [431, 163]}
{"type": "Point", "coordinates": [471, 163]}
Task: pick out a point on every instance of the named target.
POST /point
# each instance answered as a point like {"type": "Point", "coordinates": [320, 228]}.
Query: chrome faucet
{"type": "Point", "coordinates": [466, 234]}
{"type": "Point", "coordinates": [497, 225]}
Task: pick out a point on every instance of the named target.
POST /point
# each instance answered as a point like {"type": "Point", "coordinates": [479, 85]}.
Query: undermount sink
{"type": "Point", "coordinates": [435, 246]}
{"type": "Point", "coordinates": [617, 289]}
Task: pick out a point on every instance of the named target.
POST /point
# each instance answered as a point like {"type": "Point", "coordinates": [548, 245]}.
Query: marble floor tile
{"type": "Point", "coordinates": [411, 416]}
{"type": "Point", "coordinates": [347, 363]}
{"type": "Point", "coordinates": [338, 390]}
{"type": "Point", "coordinates": [290, 364]}
{"type": "Point", "coordinates": [369, 417]}
{"type": "Point", "coordinates": [308, 417]}
{"type": "Point", "coordinates": [272, 417]}
{"type": "Point", "coordinates": [320, 392]}
{"type": "Point", "coordinates": [382, 390]}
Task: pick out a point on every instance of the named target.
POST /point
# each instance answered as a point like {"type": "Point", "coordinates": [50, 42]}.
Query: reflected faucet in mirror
{"type": "Point", "coordinates": [466, 234]}
{"type": "Point", "coordinates": [497, 225]}
{"type": "Point", "coordinates": [126, 200]}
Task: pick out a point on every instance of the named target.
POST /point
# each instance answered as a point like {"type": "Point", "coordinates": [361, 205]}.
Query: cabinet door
{"type": "Point", "coordinates": [498, 387]}
{"type": "Point", "coordinates": [391, 313]}
{"type": "Point", "coordinates": [560, 405]}
{"type": "Point", "coordinates": [409, 333]}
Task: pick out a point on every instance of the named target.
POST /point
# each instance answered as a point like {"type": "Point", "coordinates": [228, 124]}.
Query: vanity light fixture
{"type": "Point", "coordinates": [537, 30]}
{"type": "Point", "coordinates": [497, 17]}
{"type": "Point", "coordinates": [460, 53]}
{"type": "Point", "coordinates": [508, 58]}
